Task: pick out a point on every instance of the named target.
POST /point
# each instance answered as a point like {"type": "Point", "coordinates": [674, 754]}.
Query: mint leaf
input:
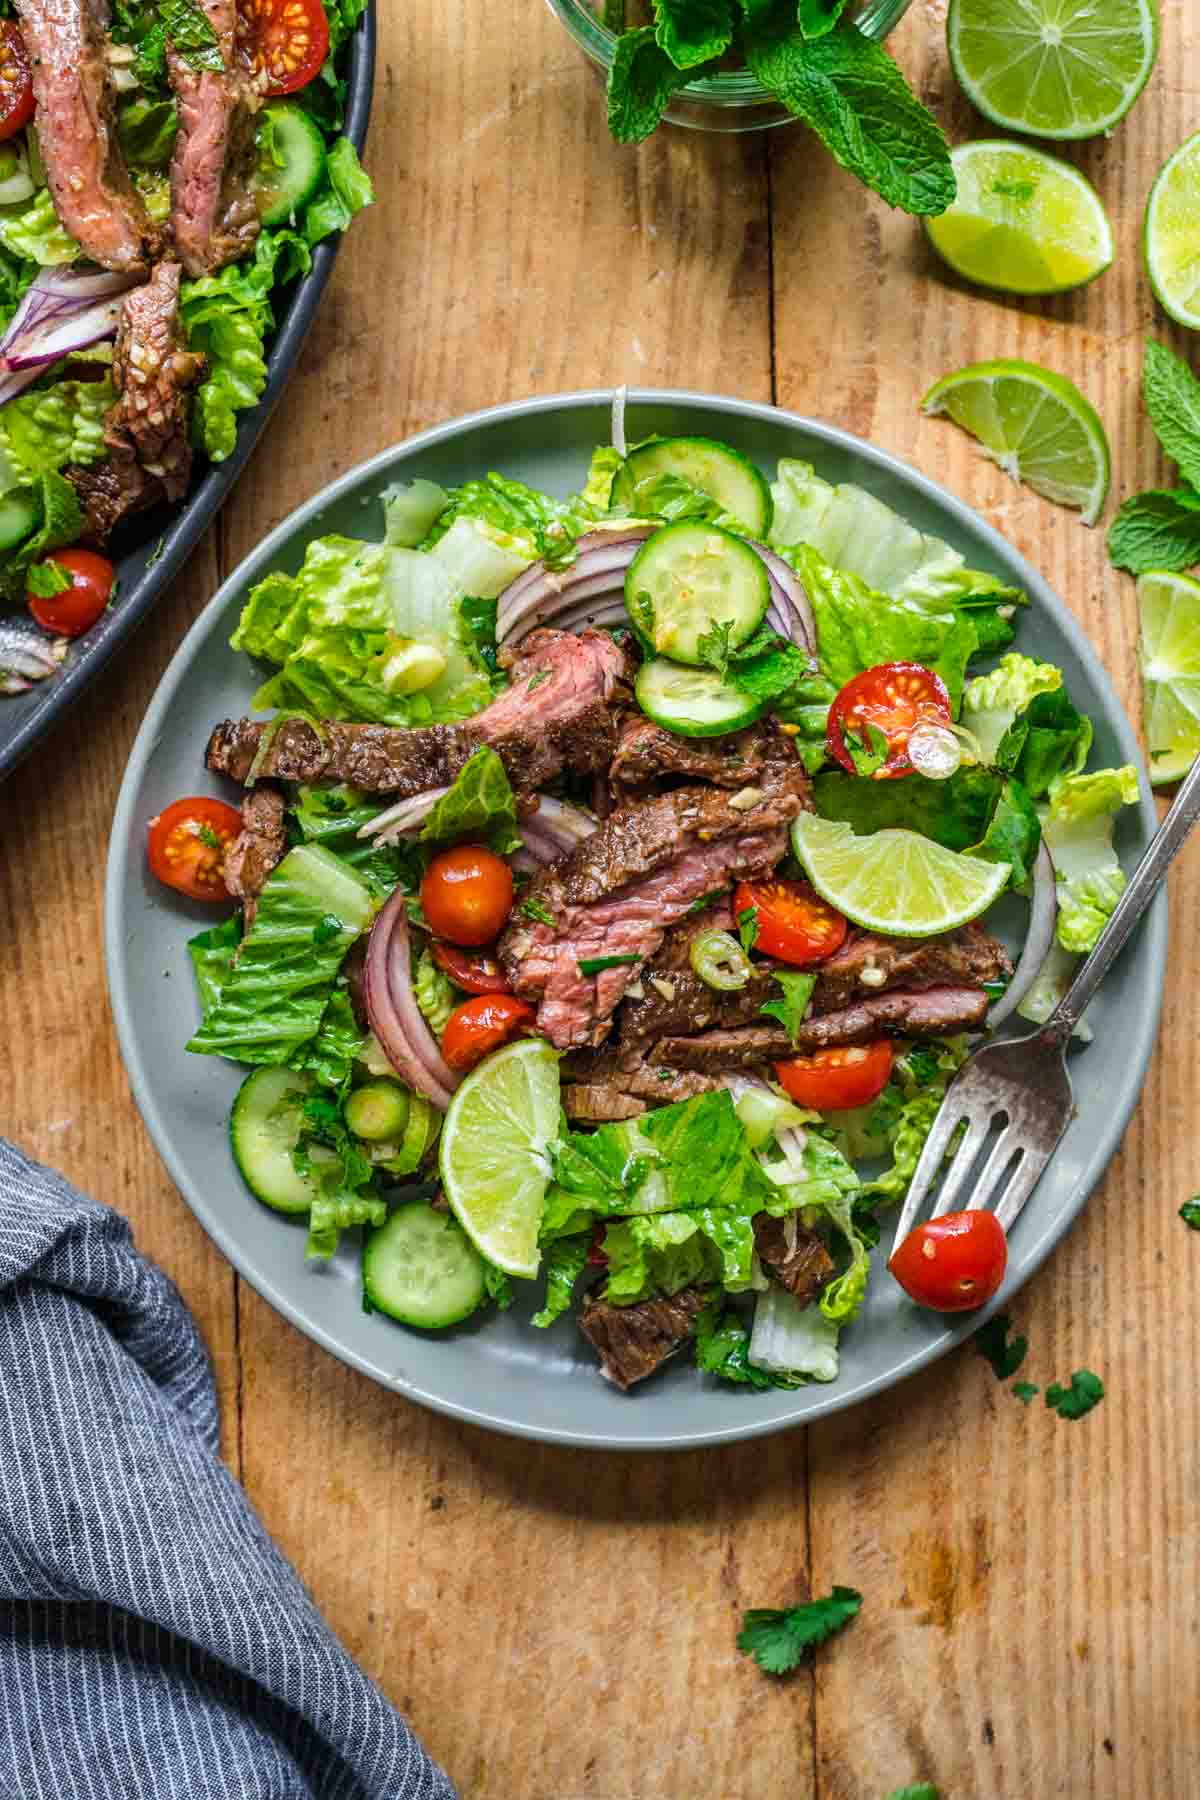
{"type": "Point", "coordinates": [747, 924]}
{"type": "Point", "coordinates": [859, 104]}
{"type": "Point", "coordinates": [1172, 396]}
{"type": "Point", "coordinates": [693, 31]}
{"type": "Point", "coordinates": [190, 35]}
{"type": "Point", "coordinates": [1157, 530]}
{"type": "Point", "coordinates": [1005, 1355]}
{"type": "Point", "coordinates": [45, 579]}
{"type": "Point", "coordinates": [790, 1011]}
{"type": "Point", "coordinates": [819, 16]}
{"type": "Point", "coordinates": [1086, 1390]}
{"type": "Point", "coordinates": [713, 646]}
{"type": "Point", "coordinates": [772, 673]}
{"type": "Point", "coordinates": [777, 1640]}
{"type": "Point", "coordinates": [924, 1790]}
{"type": "Point", "coordinates": [1189, 1212]}
{"type": "Point", "coordinates": [640, 84]}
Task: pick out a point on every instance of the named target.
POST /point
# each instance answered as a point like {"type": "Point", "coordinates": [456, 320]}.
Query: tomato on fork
{"type": "Point", "coordinates": [893, 699]}
{"type": "Point", "coordinates": [285, 41]}
{"type": "Point", "coordinates": [794, 923]}
{"type": "Point", "coordinates": [187, 846]}
{"type": "Point", "coordinates": [954, 1263]}
{"type": "Point", "coordinates": [839, 1079]}
{"type": "Point", "coordinates": [16, 80]}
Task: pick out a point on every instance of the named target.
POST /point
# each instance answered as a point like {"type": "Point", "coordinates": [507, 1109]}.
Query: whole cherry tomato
{"type": "Point", "coordinates": [286, 41]}
{"type": "Point", "coordinates": [478, 974]}
{"type": "Point", "coordinates": [794, 923]}
{"type": "Point", "coordinates": [77, 607]}
{"type": "Point", "coordinates": [467, 894]}
{"type": "Point", "coordinates": [836, 1080]}
{"type": "Point", "coordinates": [892, 698]}
{"type": "Point", "coordinates": [954, 1263]}
{"type": "Point", "coordinates": [16, 81]}
{"type": "Point", "coordinates": [482, 1025]}
{"type": "Point", "coordinates": [187, 846]}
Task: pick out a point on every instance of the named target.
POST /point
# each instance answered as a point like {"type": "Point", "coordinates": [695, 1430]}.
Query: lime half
{"type": "Point", "coordinates": [895, 881]}
{"type": "Point", "coordinates": [1023, 221]}
{"type": "Point", "coordinates": [1036, 425]}
{"type": "Point", "coordinates": [1170, 656]}
{"type": "Point", "coordinates": [1054, 68]}
{"type": "Point", "coordinates": [494, 1161]}
{"type": "Point", "coordinates": [1172, 238]}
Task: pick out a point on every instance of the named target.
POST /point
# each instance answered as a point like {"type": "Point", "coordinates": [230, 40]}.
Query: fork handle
{"type": "Point", "coordinates": [1165, 846]}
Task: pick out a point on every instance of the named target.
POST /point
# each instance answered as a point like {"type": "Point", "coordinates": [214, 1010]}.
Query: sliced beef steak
{"type": "Point", "coordinates": [93, 195]}
{"type": "Point", "coordinates": [934, 1012]}
{"type": "Point", "coordinates": [646, 754]}
{"type": "Point", "coordinates": [214, 219]}
{"type": "Point", "coordinates": [616, 894]}
{"type": "Point", "coordinates": [538, 728]}
{"type": "Point", "coordinates": [257, 849]}
{"type": "Point", "coordinates": [154, 372]}
{"type": "Point", "coordinates": [633, 1341]}
{"type": "Point", "coordinates": [602, 1085]}
{"type": "Point", "coordinates": [795, 1256]}
{"type": "Point", "coordinates": [868, 965]}
{"type": "Point", "coordinates": [111, 492]}
{"type": "Point", "coordinates": [674, 999]}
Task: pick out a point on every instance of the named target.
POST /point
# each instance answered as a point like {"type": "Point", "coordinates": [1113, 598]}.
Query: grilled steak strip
{"type": "Point", "coordinates": [94, 198]}
{"type": "Point", "coordinates": [110, 493]}
{"type": "Point", "coordinates": [868, 964]}
{"type": "Point", "coordinates": [935, 1012]}
{"type": "Point", "coordinates": [214, 220]}
{"type": "Point", "coordinates": [674, 999]}
{"type": "Point", "coordinates": [558, 714]}
{"type": "Point", "coordinates": [633, 1341]}
{"type": "Point", "coordinates": [646, 754]}
{"type": "Point", "coordinates": [602, 1085]}
{"type": "Point", "coordinates": [795, 1256]}
{"type": "Point", "coordinates": [257, 849]}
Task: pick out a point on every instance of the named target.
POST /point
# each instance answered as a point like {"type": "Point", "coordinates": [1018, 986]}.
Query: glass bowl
{"type": "Point", "coordinates": [725, 102]}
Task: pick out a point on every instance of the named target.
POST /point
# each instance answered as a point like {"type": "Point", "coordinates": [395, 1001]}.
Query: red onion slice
{"type": "Point", "coordinates": [599, 613]}
{"type": "Point", "coordinates": [788, 590]}
{"type": "Point", "coordinates": [407, 815]}
{"type": "Point", "coordinates": [62, 310]}
{"type": "Point", "coordinates": [392, 1008]}
{"type": "Point", "coordinates": [58, 336]}
{"type": "Point", "coordinates": [538, 594]}
{"type": "Point", "coordinates": [1039, 938]}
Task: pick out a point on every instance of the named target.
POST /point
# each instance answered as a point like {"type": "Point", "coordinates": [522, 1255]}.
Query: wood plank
{"type": "Point", "coordinates": [1028, 1581]}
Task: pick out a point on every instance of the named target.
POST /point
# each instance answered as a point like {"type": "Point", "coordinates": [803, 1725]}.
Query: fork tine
{"type": "Point", "coordinates": [1008, 1146]}
{"type": "Point", "coordinates": [1025, 1178]}
{"type": "Point", "coordinates": [928, 1164]}
{"type": "Point", "coordinates": [964, 1161]}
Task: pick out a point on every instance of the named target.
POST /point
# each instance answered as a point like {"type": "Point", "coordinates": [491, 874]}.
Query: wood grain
{"type": "Point", "coordinates": [558, 1624]}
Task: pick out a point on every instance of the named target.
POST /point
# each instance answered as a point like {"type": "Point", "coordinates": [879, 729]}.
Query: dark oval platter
{"type": "Point", "coordinates": [152, 559]}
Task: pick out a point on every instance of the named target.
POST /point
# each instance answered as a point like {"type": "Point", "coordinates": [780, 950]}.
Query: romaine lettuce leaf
{"type": "Point", "coordinates": [434, 993]}
{"type": "Point", "coordinates": [563, 1261]}
{"type": "Point", "coordinates": [30, 229]}
{"type": "Point", "coordinates": [212, 954]}
{"type": "Point", "coordinates": [1025, 723]}
{"type": "Point", "coordinates": [46, 428]}
{"type": "Point", "coordinates": [660, 1253]}
{"type": "Point", "coordinates": [480, 804]}
{"type": "Point", "coordinates": [409, 511]}
{"type": "Point", "coordinates": [274, 999]}
{"type": "Point", "coordinates": [790, 1342]}
{"type": "Point", "coordinates": [992, 702]}
{"type": "Point", "coordinates": [59, 519]}
{"type": "Point", "coordinates": [723, 1345]}
{"type": "Point", "coordinates": [344, 191]}
{"type": "Point", "coordinates": [329, 1057]}
{"type": "Point", "coordinates": [826, 1187]}
{"type": "Point", "coordinates": [1078, 824]}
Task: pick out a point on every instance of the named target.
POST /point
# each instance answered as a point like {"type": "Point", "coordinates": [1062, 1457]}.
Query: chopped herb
{"type": "Point", "coordinates": [1026, 1391]}
{"type": "Point", "coordinates": [327, 930]}
{"type": "Point", "coordinates": [868, 748]}
{"type": "Point", "coordinates": [45, 579]}
{"type": "Point", "coordinates": [1086, 1390]}
{"type": "Point", "coordinates": [797, 995]}
{"type": "Point", "coordinates": [1005, 1355]}
{"type": "Point", "coordinates": [704, 901]}
{"type": "Point", "coordinates": [1189, 1212]}
{"type": "Point", "coordinates": [536, 680]}
{"type": "Point", "coordinates": [592, 965]}
{"type": "Point", "coordinates": [190, 34]}
{"type": "Point", "coordinates": [777, 1640]}
{"type": "Point", "coordinates": [713, 646]}
{"type": "Point", "coordinates": [533, 909]}
{"type": "Point", "coordinates": [665, 1074]}
{"type": "Point", "coordinates": [747, 921]}
{"type": "Point", "coordinates": [1015, 190]}
{"type": "Point", "coordinates": [924, 1790]}
{"type": "Point", "coordinates": [210, 840]}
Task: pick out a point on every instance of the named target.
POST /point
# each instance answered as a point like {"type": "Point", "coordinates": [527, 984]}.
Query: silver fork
{"type": "Point", "coordinates": [1023, 1083]}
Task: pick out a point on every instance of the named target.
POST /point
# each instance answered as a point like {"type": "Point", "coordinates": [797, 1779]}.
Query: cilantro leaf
{"type": "Point", "coordinates": [1005, 1355]}
{"type": "Point", "coordinates": [1157, 530]}
{"type": "Point", "coordinates": [868, 748]}
{"type": "Point", "coordinates": [1026, 1391]}
{"type": "Point", "coordinates": [777, 1640]}
{"type": "Point", "coordinates": [790, 1011]}
{"type": "Point", "coordinates": [45, 579]}
{"type": "Point", "coordinates": [640, 84]}
{"type": "Point", "coordinates": [747, 924]}
{"type": "Point", "coordinates": [859, 104]}
{"type": "Point", "coordinates": [1172, 395]}
{"type": "Point", "coordinates": [713, 647]}
{"type": "Point", "coordinates": [1189, 1212]}
{"type": "Point", "coordinates": [1086, 1390]}
{"type": "Point", "coordinates": [693, 31]}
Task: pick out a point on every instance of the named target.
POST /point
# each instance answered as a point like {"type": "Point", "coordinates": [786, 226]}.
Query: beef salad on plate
{"type": "Point", "coordinates": [613, 874]}
{"type": "Point", "coordinates": [164, 169]}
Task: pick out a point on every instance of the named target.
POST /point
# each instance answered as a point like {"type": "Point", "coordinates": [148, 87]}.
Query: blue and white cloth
{"type": "Point", "coordinates": [153, 1640]}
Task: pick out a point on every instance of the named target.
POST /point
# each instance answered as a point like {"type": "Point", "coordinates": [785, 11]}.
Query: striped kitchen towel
{"type": "Point", "coordinates": [153, 1640]}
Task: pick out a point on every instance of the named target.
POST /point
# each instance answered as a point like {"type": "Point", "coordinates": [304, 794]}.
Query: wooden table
{"type": "Point", "coordinates": [556, 1624]}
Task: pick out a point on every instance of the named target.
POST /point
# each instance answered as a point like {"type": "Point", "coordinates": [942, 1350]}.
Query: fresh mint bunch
{"type": "Point", "coordinates": [815, 61]}
{"type": "Point", "coordinates": [1161, 529]}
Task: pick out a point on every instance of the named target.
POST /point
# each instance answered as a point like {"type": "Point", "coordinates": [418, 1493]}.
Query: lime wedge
{"type": "Point", "coordinates": [1173, 235]}
{"type": "Point", "coordinates": [493, 1157]}
{"type": "Point", "coordinates": [897, 882]}
{"type": "Point", "coordinates": [1023, 221]}
{"type": "Point", "coordinates": [1170, 657]}
{"type": "Point", "coordinates": [1035, 424]}
{"type": "Point", "coordinates": [1054, 68]}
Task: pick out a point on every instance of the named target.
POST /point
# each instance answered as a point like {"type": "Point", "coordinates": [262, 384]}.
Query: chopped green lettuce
{"type": "Point", "coordinates": [29, 229]}
{"type": "Point", "coordinates": [43, 429]}
{"type": "Point", "coordinates": [991, 702]}
{"type": "Point", "coordinates": [597, 489]}
{"type": "Point", "coordinates": [899, 1121]}
{"type": "Point", "coordinates": [480, 804]}
{"type": "Point", "coordinates": [1025, 724]}
{"type": "Point", "coordinates": [723, 1347]}
{"type": "Point", "coordinates": [212, 953]}
{"type": "Point", "coordinates": [435, 994]}
{"type": "Point", "coordinates": [329, 1057]}
{"type": "Point", "coordinates": [227, 317]}
{"type": "Point", "coordinates": [58, 521]}
{"type": "Point", "coordinates": [660, 1253]}
{"type": "Point", "coordinates": [791, 1342]}
{"type": "Point", "coordinates": [409, 511]}
{"type": "Point", "coordinates": [1050, 985]}
{"type": "Point", "coordinates": [345, 189]}
{"type": "Point", "coordinates": [146, 130]}
{"type": "Point", "coordinates": [1078, 825]}
{"type": "Point", "coordinates": [527, 523]}
{"type": "Point", "coordinates": [563, 1261]}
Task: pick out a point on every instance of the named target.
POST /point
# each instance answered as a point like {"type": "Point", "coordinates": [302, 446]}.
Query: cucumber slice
{"type": "Point", "coordinates": [264, 1128]}
{"type": "Point", "coordinates": [725, 474]}
{"type": "Point", "coordinates": [422, 1268]}
{"type": "Point", "coordinates": [281, 188]}
{"type": "Point", "coordinates": [378, 1111]}
{"type": "Point", "coordinates": [693, 702]}
{"type": "Point", "coordinates": [18, 516]}
{"type": "Point", "coordinates": [688, 579]}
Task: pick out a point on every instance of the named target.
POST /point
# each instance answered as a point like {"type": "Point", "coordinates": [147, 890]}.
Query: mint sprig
{"type": "Point", "coordinates": [1161, 529]}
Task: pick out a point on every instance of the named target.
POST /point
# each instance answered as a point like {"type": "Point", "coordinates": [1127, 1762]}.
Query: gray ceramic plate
{"type": "Point", "coordinates": [500, 1372]}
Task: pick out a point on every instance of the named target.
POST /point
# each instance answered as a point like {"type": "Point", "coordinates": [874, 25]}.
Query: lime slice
{"type": "Point", "coordinates": [1170, 656]}
{"type": "Point", "coordinates": [1173, 235]}
{"type": "Point", "coordinates": [1054, 68]}
{"type": "Point", "coordinates": [493, 1156]}
{"type": "Point", "coordinates": [897, 882]}
{"type": "Point", "coordinates": [1023, 221]}
{"type": "Point", "coordinates": [1035, 424]}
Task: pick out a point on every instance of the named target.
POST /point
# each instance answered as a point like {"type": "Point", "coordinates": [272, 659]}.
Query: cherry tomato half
{"type": "Point", "coordinates": [16, 83]}
{"type": "Point", "coordinates": [479, 1026]}
{"type": "Point", "coordinates": [187, 846]}
{"type": "Point", "coordinates": [478, 974]}
{"type": "Point", "coordinates": [794, 923]}
{"type": "Point", "coordinates": [893, 698]}
{"type": "Point", "coordinates": [836, 1080]}
{"type": "Point", "coordinates": [287, 40]}
{"type": "Point", "coordinates": [467, 894]}
{"type": "Point", "coordinates": [80, 605]}
{"type": "Point", "coordinates": [954, 1263]}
